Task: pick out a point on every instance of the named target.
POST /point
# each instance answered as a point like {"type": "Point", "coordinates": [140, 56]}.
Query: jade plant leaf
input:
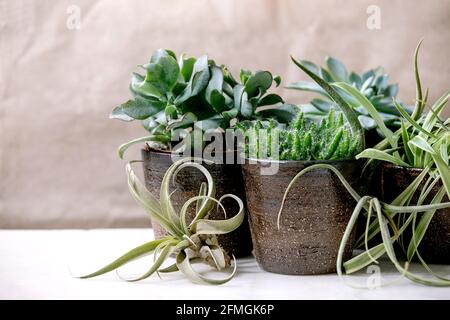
{"type": "Point", "coordinates": [140, 108]}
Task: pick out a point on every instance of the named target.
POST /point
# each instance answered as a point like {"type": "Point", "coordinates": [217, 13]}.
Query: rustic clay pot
{"type": "Point", "coordinates": [228, 179]}
{"type": "Point", "coordinates": [435, 246]}
{"type": "Point", "coordinates": [314, 218]}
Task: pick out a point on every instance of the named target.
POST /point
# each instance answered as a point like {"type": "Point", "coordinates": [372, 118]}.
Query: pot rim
{"type": "Point", "coordinates": [297, 162]}
{"type": "Point", "coordinates": [149, 149]}
{"type": "Point", "coordinates": [397, 167]}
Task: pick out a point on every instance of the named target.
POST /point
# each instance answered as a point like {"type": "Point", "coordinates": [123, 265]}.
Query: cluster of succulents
{"type": "Point", "coordinates": [302, 139]}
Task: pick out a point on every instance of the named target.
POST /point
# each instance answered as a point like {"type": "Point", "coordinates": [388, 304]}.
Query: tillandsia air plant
{"type": "Point", "coordinates": [302, 139]}
{"type": "Point", "coordinates": [373, 84]}
{"type": "Point", "coordinates": [422, 141]}
{"type": "Point", "coordinates": [190, 241]}
{"type": "Point", "coordinates": [195, 93]}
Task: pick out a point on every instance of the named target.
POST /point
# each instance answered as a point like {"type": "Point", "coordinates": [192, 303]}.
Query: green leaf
{"type": "Point", "coordinates": [184, 265]}
{"type": "Point", "coordinates": [270, 99]}
{"type": "Point", "coordinates": [127, 257]}
{"type": "Point", "coordinates": [162, 53]}
{"type": "Point", "coordinates": [186, 67]}
{"type": "Point", "coordinates": [345, 108]}
{"type": "Point", "coordinates": [213, 92]}
{"type": "Point", "coordinates": [419, 105]}
{"type": "Point", "coordinates": [140, 108]}
{"type": "Point", "coordinates": [204, 226]}
{"type": "Point", "coordinates": [422, 144]}
{"type": "Point", "coordinates": [337, 69]}
{"type": "Point", "coordinates": [406, 115]}
{"type": "Point", "coordinates": [166, 252]}
{"type": "Point", "coordinates": [355, 79]}
{"type": "Point", "coordinates": [157, 138]}
{"type": "Point", "coordinates": [307, 86]}
{"type": "Point", "coordinates": [367, 122]}
{"type": "Point", "coordinates": [138, 86]}
{"type": "Point", "coordinates": [258, 82]}
{"type": "Point", "coordinates": [422, 227]}
{"type": "Point", "coordinates": [383, 156]}
{"type": "Point", "coordinates": [185, 120]}
{"type": "Point", "coordinates": [322, 105]}
{"type": "Point", "coordinates": [362, 100]}
{"type": "Point", "coordinates": [277, 80]}
{"type": "Point", "coordinates": [284, 113]}
{"type": "Point", "coordinates": [246, 108]}
{"type": "Point", "coordinates": [212, 123]}
{"type": "Point", "coordinates": [198, 82]}
{"type": "Point", "coordinates": [405, 138]}
{"type": "Point", "coordinates": [163, 73]}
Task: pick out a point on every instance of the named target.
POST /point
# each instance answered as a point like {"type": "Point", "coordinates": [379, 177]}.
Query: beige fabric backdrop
{"type": "Point", "coordinates": [58, 165]}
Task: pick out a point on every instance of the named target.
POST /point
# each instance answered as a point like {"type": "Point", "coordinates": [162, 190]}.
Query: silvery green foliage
{"type": "Point", "coordinates": [373, 84]}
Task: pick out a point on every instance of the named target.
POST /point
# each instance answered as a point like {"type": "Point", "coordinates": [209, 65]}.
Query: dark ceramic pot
{"type": "Point", "coordinates": [435, 246]}
{"type": "Point", "coordinates": [228, 179]}
{"type": "Point", "coordinates": [314, 218]}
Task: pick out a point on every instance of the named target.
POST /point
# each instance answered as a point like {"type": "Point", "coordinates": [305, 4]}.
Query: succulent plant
{"type": "Point", "coordinates": [195, 93]}
{"type": "Point", "coordinates": [302, 139]}
{"type": "Point", "coordinates": [373, 84]}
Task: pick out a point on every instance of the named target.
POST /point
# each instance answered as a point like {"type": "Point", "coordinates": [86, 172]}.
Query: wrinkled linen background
{"type": "Point", "coordinates": [58, 162]}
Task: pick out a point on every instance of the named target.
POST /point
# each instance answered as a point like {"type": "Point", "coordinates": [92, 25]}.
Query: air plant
{"type": "Point", "coordinates": [195, 93]}
{"type": "Point", "coordinates": [422, 141]}
{"type": "Point", "coordinates": [373, 84]}
{"type": "Point", "coordinates": [190, 242]}
{"type": "Point", "coordinates": [384, 223]}
{"type": "Point", "coordinates": [301, 140]}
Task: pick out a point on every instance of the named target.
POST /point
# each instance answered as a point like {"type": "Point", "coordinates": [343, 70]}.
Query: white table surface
{"type": "Point", "coordinates": [39, 264]}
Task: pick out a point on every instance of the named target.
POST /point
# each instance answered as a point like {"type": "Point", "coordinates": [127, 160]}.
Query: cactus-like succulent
{"type": "Point", "coordinates": [302, 139]}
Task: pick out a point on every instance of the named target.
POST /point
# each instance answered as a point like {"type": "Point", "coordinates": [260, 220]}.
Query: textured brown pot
{"type": "Point", "coordinates": [228, 179]}
{"type": "Point", "coordinates": [314, 218]}
{"type": "Point", "coordinates": [435, 246]}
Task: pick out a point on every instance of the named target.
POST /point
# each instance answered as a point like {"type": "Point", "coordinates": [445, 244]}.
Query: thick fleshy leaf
{"type": "Point", "coordinates": [337, 69]}
{"type": "Point", "coordinates": [283, 114]}
{"type": "Point", "coordinates": [163, 73]}
{"type": "Point", "coordinates": [213, 92]}
{"type": "Point", "coordinates": [270, 99]}
{"type": "Point", "coordinates": [186, 67]}
{"type": "Point", "coordinates": [259, 81]}
{"type": "Point", "coordinates": [185, 120]}
{"type": "Point", "coordinates": [140, 108]}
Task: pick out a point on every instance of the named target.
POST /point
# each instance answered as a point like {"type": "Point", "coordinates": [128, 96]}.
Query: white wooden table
{"type": "Point", "coordinates": [37, 264]}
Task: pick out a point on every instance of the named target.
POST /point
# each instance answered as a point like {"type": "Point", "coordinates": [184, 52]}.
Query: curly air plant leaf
{"type": "Point", "coordinates": [191, 242]}
{"type": "Point", "coordinates": [384, 222]}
